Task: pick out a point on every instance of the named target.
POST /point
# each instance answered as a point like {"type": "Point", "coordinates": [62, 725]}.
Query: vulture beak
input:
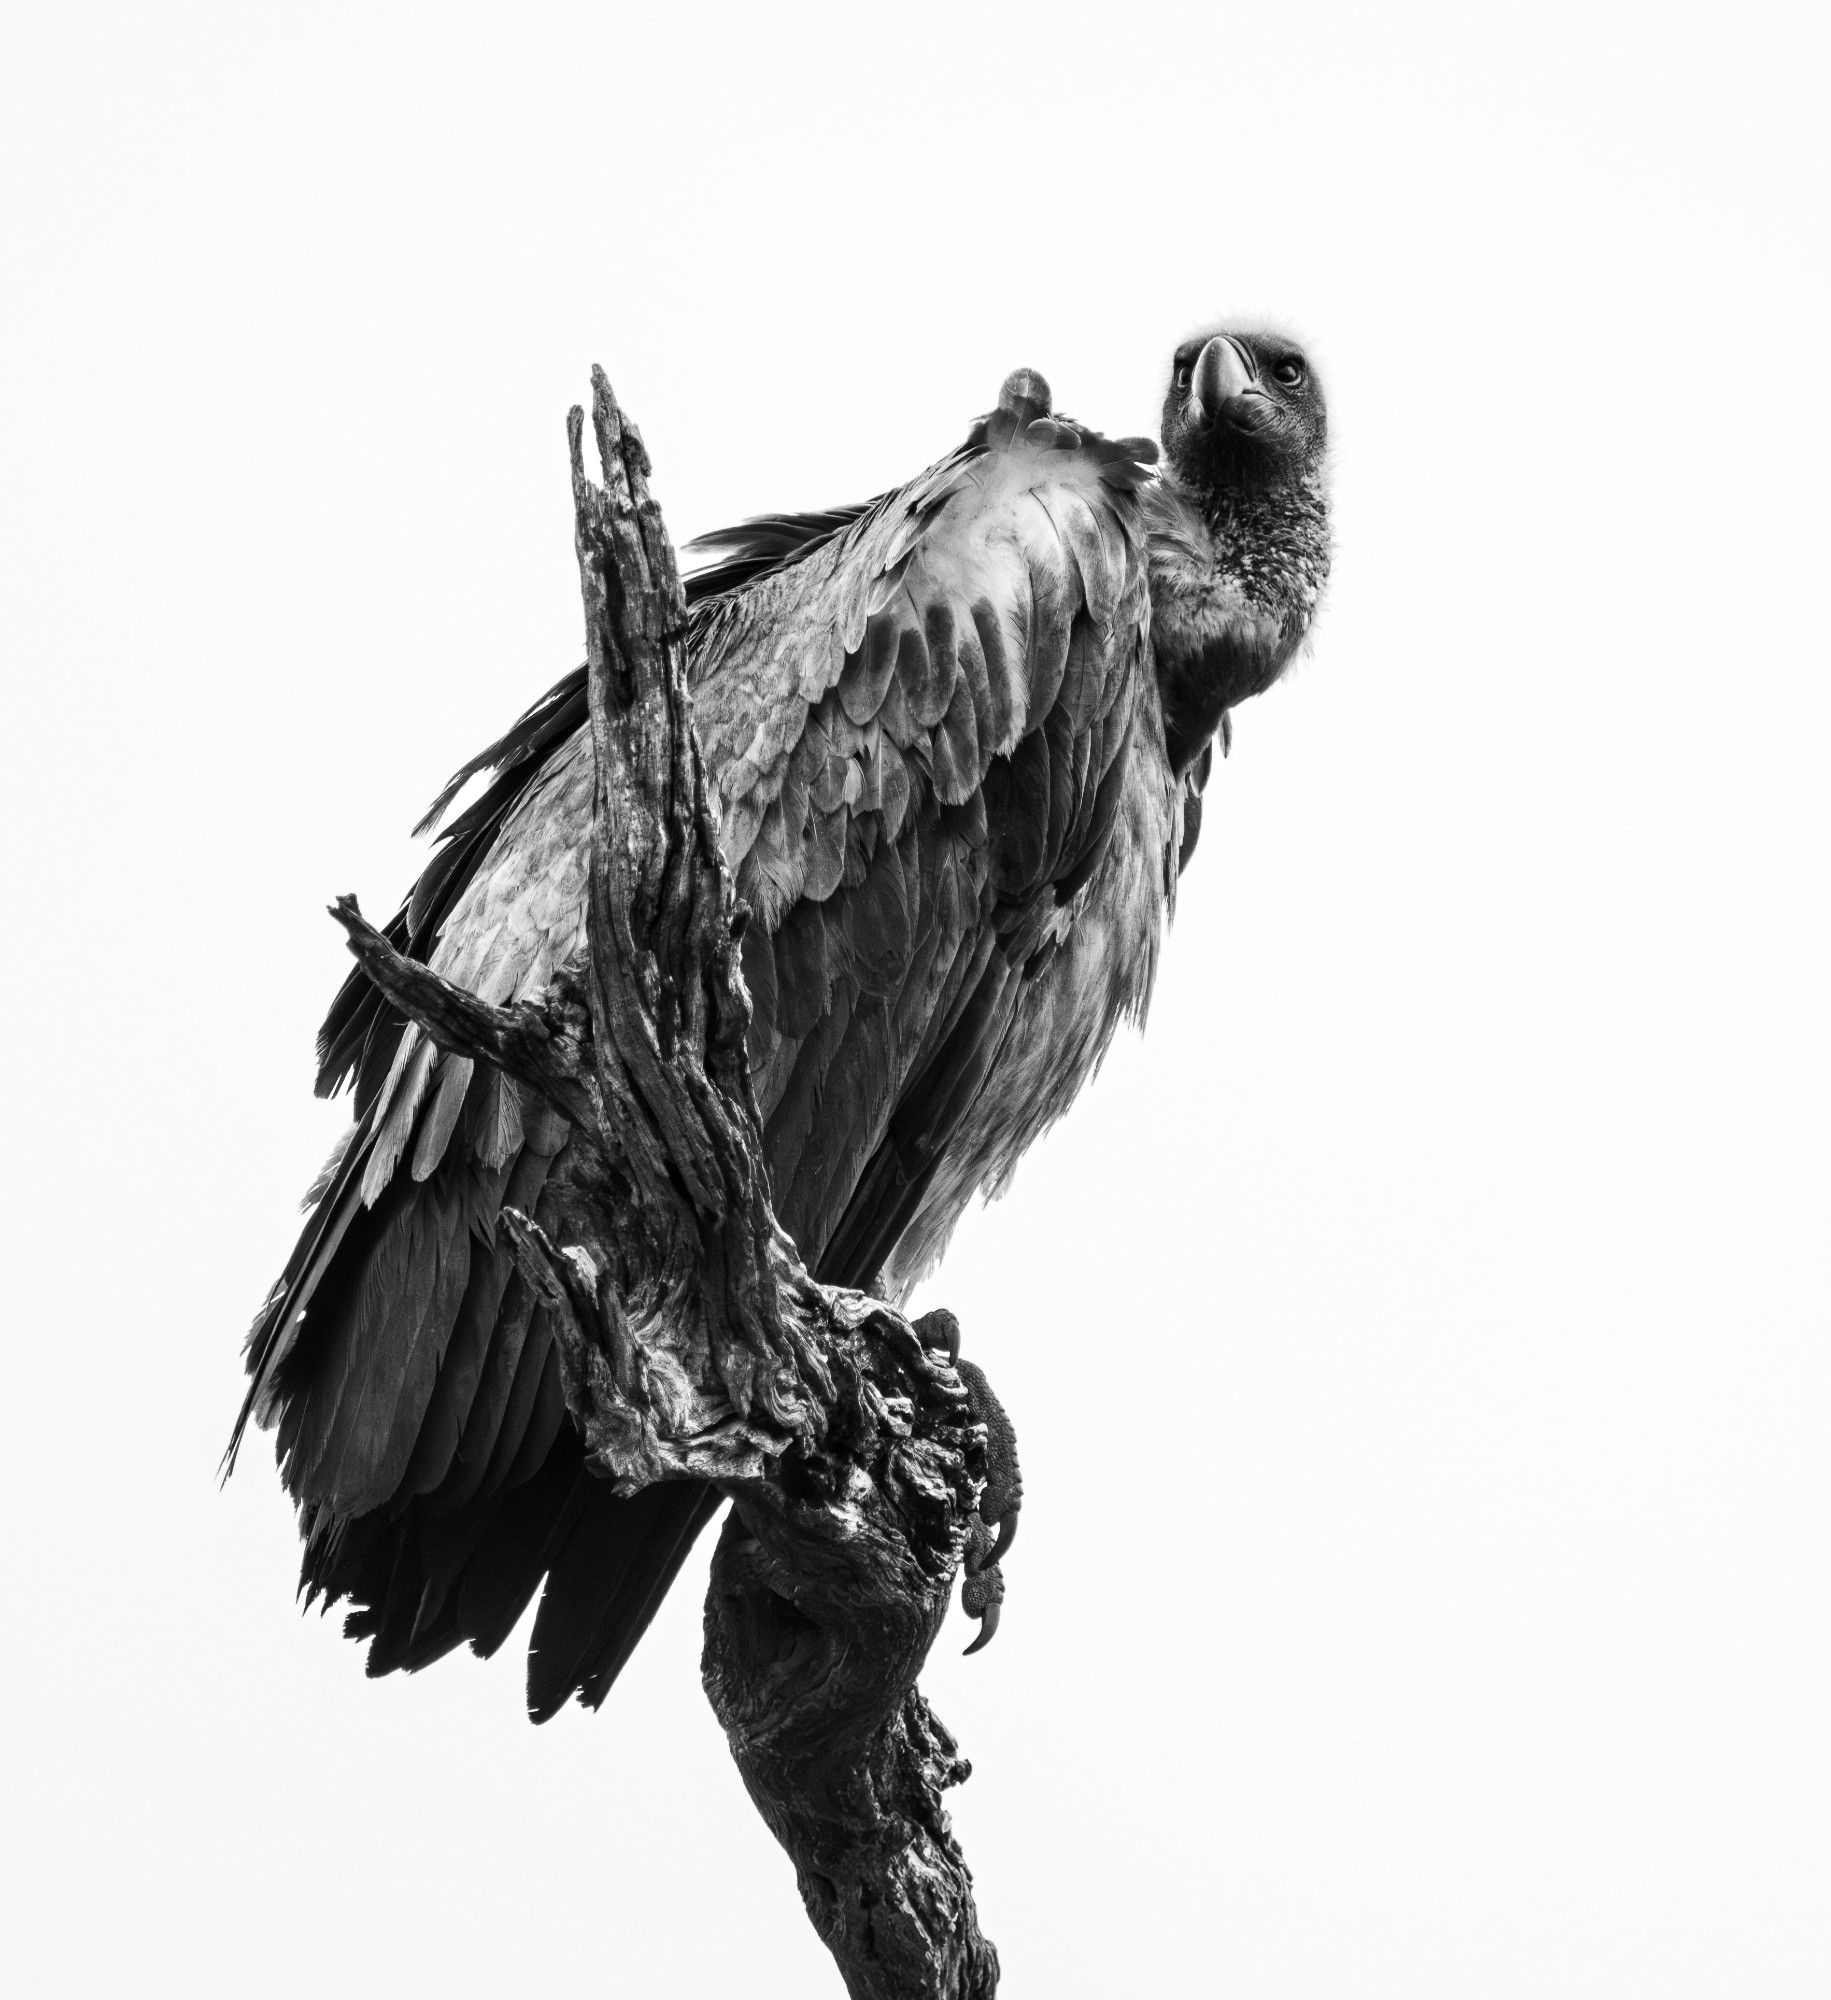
{"type": "Point", "coordinates": [1223, 373]}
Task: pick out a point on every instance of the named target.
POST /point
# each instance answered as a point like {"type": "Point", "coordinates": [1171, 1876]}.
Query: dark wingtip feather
{"type": "Point", "coordinates": [606, 1583]}
{"type": "Point", "coordinates": [509, 748]}
{"type": "Point", "coordinates": [346, 1026]}
{"type": "Point", "coordinates": [729, 558]}
{"type": "Point", "coordinates": [639, 1603]}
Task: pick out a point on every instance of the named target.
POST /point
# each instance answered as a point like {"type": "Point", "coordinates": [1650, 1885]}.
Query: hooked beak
{"type": "Point", "coordinates": [1223, 374]}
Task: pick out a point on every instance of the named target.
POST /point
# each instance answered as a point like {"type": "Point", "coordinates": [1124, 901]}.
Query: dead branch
{"type": "Point", "coordinates": [694, 1342]}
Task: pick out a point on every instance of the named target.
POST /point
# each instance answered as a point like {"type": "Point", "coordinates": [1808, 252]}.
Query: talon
{"type": "Point", "coordinates": [940, 1329]}
{"type": "Point", "coordinates": [993, 1528]}
{"type": "Point", "coordinates": [986, 1631]}
{"type": "Point", "coordinates": [982, 1596]}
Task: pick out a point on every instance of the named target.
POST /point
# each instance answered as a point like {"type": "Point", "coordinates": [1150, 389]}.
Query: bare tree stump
{"type": "Point", "coordinates": [695, 1343]}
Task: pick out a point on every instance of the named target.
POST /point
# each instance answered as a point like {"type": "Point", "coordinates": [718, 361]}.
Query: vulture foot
{"type": "Point", "coordinates": [994, 1528]}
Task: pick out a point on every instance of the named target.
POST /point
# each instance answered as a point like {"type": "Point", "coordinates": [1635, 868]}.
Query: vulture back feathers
{"type": "Point", "coordinates": [938, 756]}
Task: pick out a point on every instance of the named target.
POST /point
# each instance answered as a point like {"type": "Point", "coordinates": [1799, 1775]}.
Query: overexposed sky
{"type": "Point", "coordinates": [1418, 1342]}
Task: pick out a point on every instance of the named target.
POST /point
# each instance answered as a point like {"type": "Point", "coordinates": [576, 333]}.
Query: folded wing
{"type": "Point", "coordinates": [915, 717]}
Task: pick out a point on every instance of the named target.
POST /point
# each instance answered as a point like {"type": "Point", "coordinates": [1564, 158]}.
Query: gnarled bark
{"type": "Point", "coordinates": [694, 1342]}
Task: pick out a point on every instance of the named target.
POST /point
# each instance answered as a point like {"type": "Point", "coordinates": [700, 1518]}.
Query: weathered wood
{"type": "Point", "coordinates": [693, 1341]}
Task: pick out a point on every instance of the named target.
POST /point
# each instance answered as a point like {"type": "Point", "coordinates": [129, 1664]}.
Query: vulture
{"type": "Point", "coordinates": [957, 737]}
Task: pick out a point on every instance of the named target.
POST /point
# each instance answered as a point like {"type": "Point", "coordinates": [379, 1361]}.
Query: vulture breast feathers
{"type": "Point", "coordinates": [934, 738]}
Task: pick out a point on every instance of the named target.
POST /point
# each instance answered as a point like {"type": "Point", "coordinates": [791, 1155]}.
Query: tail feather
{"type": "Point", "coordinates": [602, 1575]}
{"type": "Point", "coordinates": [647, 1581]}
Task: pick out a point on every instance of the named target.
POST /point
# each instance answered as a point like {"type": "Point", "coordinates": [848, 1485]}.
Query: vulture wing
{"type": "Point", "coordinates": [915, 716]}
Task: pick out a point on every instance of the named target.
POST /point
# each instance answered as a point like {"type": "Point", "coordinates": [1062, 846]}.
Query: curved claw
{"type": "Point", "coordinates": [986, 1550]}
{"type": "Point", "coordinates": [988, 1625]}
{"type": "Point", "coordinates": [940, 1329]}
{"type": "Point", "coordinates": [981, 1596]}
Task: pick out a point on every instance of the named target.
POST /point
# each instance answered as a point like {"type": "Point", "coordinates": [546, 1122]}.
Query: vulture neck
{"type": "Point", "coordinates": [1235, 575]}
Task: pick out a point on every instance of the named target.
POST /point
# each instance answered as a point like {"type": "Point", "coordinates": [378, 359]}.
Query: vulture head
{"type": "Point", "coordinates": [1243, 410]}
{"type": "Point", "coordinates": [1239, 559]}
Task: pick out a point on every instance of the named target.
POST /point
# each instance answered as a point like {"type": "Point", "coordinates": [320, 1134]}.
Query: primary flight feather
{"type": "Point", "coordinates": [957, 739]}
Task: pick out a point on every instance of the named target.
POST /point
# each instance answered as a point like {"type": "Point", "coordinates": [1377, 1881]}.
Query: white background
{"type": "Point", "coordinates": [1418, 1342]}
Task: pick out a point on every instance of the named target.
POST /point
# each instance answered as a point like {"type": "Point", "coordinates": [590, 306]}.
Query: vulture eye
{"type": "Point", "coordinates": [1289, 374]}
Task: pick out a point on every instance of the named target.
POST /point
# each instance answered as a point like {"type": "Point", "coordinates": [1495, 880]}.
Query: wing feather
{"type": "Point", "coordinates": [492, 1408]}
{"type": "Point", "coordinates": [441, 1118]}
{"type": "Point", "coordinates": [956, 765]}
